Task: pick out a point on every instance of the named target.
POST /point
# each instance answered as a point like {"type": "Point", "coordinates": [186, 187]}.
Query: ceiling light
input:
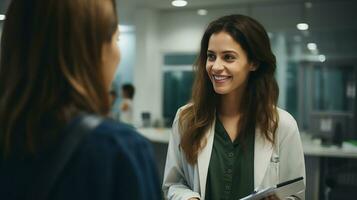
{"type": "Point", "coordinates": [2, 17]}
{"type": "Point", "coordinates": [302, 26]}
{"type": "Point", "coordinates": [202, 12]}
{"type": "Point", "coordinates": [312, 46]}
{"type": "Point", "coordinates": [179, 3]}
{"type": "Point", "coordinates": [322, 58]}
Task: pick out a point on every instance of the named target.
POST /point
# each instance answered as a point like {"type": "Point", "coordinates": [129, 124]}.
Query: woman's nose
{"type": "Point", "coordinates": [217, 65]}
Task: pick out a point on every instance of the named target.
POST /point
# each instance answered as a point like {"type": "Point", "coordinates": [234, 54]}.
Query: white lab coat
{"type": "Point", "coordinates": [272, 165]}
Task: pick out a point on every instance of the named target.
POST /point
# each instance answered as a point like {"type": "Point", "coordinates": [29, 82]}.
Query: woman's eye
{"type": "Point", "coordinates": [229, 57]}
{"type": "Point", "coordinates": [211, 57]}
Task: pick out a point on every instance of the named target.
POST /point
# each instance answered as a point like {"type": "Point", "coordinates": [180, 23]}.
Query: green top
{"type": "Point", "coordinates": [231, 168]}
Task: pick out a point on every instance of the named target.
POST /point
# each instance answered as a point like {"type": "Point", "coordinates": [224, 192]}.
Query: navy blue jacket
{"type": "Point", "coordinates": [112, 162]}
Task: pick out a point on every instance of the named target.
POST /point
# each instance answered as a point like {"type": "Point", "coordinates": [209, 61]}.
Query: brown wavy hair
{"type": "Point", "coordinates": [258, 107]}
{"type": "Point", "coordinates": [51, 67]}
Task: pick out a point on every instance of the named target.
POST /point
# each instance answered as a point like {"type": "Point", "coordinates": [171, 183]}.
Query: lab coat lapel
{"type": "Point", "coordinates": [203, 160]}
{"type": "Point", "coordinates": [262, 153]}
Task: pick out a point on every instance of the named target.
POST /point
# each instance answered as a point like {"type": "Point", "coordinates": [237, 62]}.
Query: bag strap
{"type": "Point", "coordinates": [41, 189]}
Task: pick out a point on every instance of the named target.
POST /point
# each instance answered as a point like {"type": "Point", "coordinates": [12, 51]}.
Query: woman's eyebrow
{"type": "Point", "coordinates": [230, 51]}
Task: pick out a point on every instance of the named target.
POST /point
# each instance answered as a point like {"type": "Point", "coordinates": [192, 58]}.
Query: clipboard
{"type": "Point", "coordinates": [281, 190]}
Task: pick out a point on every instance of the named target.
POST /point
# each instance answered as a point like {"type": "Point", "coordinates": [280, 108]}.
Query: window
{"type": "Point", "coordinates": [177, 86]}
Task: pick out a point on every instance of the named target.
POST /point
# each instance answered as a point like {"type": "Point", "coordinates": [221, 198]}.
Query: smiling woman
{"type": "Point", "coordinates": [232, 137]}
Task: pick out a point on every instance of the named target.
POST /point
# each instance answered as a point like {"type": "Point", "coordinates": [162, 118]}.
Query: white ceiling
{"type": "Point", "coordinates": [333, 23]}
{"type": "Point", "coordinates": [276, 13]}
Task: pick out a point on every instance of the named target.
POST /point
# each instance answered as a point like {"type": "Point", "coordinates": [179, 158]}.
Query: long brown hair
{"type": "Point", "coordinates": [260, 99]}
{"type": "Point", "coordinates": [51, 66]}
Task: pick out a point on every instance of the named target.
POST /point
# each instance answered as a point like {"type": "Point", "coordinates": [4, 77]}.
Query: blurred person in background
{"type": "Point", "coordinates": [232, 138]}
{"type": "Point", "coordinates": [126, 105]}
{"type": "Point", "coordinates": [58, 58]}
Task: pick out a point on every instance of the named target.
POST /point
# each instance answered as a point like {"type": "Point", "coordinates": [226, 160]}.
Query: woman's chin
{"type": "Point", "coordinates": [220, 91]}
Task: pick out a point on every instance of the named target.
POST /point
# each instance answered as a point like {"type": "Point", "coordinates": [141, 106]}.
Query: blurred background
{"type": "Point", "coordinates": [314, 42]}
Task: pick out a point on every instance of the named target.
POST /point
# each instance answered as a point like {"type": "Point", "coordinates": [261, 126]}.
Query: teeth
{"type": "Point", "coordinates": [219, 78]}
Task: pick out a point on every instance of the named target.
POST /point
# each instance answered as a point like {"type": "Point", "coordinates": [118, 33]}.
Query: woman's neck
{"type": "Point", "coordinates": [229, 113]}
{"type": "Point", "coordinates": [229, 105]}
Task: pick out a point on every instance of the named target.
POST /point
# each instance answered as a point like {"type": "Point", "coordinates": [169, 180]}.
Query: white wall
{"type": "Point", "coordinates": [147, 70]}
{"type": "Point", "coordinates": [181, 31]}
{"type": "Point", "coordinates": [124, 73]}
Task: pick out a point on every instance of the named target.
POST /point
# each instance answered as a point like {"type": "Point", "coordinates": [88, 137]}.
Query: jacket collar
{"type": "Point", "coordinates": [204, 158]}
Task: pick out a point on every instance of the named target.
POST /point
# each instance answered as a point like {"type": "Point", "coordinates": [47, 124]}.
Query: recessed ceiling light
{"type": "Point", "coordinates": [2, 17]}
{"type": "Point", "coordinates": [202, 12]}
{"type": "Point", "coordinates": [302, 26]}
{"type": "Point", "coordinates": [179, 3]}
{"type": "Point", "coordinates": [322, 58]}
{"type": "Point", "coordinates": [312, 46]}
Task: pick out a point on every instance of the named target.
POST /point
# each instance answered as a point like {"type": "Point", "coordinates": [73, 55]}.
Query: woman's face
{"type": "Point", "coordinates": [110, 58]}
{"type": "Point", "coordinates": [227, 64]}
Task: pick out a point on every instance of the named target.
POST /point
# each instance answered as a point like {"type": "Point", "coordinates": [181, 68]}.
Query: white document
{"type": "Point", "coordinates": [282, 190]}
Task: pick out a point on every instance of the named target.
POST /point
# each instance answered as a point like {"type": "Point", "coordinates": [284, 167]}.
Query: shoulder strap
{"type": "Point", "coordinates": [41, 189]}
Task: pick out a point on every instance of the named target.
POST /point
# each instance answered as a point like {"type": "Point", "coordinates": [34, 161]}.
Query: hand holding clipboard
{"type": "Point", "coordinates": [281, 190]}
